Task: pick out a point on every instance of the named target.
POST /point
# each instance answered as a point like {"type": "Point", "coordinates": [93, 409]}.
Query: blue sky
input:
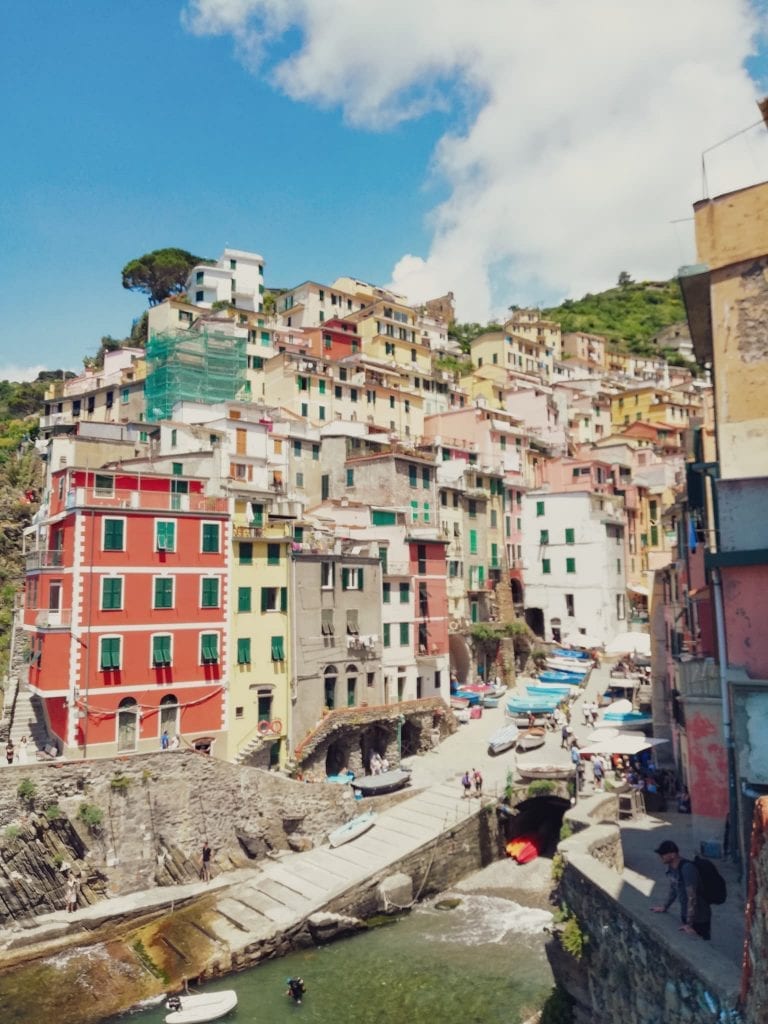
{"type": "Point", "coordinates": [126, 131]}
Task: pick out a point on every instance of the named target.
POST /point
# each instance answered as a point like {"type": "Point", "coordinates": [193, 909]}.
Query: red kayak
{"type": "Point", "coordinates": [524, 848]}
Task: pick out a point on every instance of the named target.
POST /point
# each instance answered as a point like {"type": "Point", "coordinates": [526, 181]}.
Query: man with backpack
{"type": "Point", "coordinates": [687, 885]}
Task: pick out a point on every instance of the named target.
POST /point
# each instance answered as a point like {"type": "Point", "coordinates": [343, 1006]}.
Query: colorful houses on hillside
{"type": "Point", "coordinates": [375, 495]}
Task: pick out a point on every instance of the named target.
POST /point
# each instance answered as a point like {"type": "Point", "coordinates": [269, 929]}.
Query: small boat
{"type": "Point", "coordinates": [561, 690]}
{"type": "Point", "coordinates": [387, 782]}
{"type": "Point", "coordinates": [543, 705]}
{"type": "Point", "coordinates": [459, 703]}
{"type": "Point", "coordinates": [342, 778]}
{"type": "Point", "coordinates": [580, 668]}
{"type": "Point", "coordinates": [197, 1009]}
{"type": "Point", "coordinates": [569, 652]}
{"type": "Point", "coordinates": [524, 848]}
{"type": "Point", "coordinates": [628, 719]}
{"type": "Point", "coordinates": [545, 771]}
{"type": "Point", "coordinates": [491, 702]}
{"type": "Point", "coordinates": [472, 697]}
{"type": "Point", "coordinates": [531, 738]}
{"type": "Point", "coordinates": [503, 738]}
{"type": "Point", "coordinates": [352, 829]}
{"type": "Point", "coordinates": [572, 678]}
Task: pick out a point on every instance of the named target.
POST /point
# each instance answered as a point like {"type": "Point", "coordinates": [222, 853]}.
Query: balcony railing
{"type": "Point", "coordinates": [54, 618]}
{"type": "Point", "coordinates": [94, 497]}
{"type": "Point", "coordinates": [43, 560]}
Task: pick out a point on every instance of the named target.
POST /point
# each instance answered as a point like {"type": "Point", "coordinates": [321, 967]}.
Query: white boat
{"type": "Point", "coordinates": [503, 738]}
{"type": "Point", "coordinates": [572, 665]}
{"type": "Point", "coordinates": [387, 782]}
{"type": "Point", "coordinates": [352, 829]}
{"type": "Point", "coordinates": [531, 739]}
{"type": "Point", "coordinates": [202, 1007]}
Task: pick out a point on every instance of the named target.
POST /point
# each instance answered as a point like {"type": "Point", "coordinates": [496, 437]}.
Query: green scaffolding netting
{"type": "Point", "coordinates": [193, 366]}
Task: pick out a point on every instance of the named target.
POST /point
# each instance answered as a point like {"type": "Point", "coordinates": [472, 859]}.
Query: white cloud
{"type": "Point", "coordinates": [585, 129]}
{"type": "Point", "coordinates": [15, 372]}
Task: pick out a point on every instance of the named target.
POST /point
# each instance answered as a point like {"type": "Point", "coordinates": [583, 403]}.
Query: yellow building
{"type": "Point", "coordinates": [261, 617]}
{"type": "Point", "coordinates": [389, 331]}
{"type": "Point", "coordinates": [649, 405]}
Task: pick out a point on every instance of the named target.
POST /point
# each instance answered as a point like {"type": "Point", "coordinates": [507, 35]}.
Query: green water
{"type": "Point", "coordinates": [480, 963]}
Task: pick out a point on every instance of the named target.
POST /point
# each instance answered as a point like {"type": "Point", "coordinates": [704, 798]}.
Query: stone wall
{"type": "Point", "coordinates": [628, 970]}
{"type": "Point", "coordinates": [156, 810]}
{"type": "Point", "coordinates": [754, 983]}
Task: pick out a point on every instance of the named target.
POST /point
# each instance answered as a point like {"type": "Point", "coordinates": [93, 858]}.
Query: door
{"type": "Point", "coordinates": [127, 724]}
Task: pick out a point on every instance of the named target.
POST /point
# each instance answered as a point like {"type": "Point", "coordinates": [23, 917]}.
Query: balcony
{"type": "Point", "coordinates": [92, 497]}
{"type": "Point", "coordinates": [43, 560]}
{"type": "Point", "coordinates": [53, 618]}
{"type": "Point", "coordinates": [698, 677]}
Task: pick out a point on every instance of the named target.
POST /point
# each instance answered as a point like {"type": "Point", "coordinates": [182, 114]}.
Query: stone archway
{"type": "Point", "coordinates": [337, 757]}
{"type": "Point", "coordinates": [410, 738]}
{"type": "Point", "coordinates": [374, 740]}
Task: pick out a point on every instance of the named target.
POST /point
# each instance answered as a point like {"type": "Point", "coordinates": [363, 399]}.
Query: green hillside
{"type": "Point", "coordinates": [632, 312]}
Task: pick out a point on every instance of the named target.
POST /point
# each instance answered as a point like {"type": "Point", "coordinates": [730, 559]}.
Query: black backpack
{"type": "Point", "coordinates": [711, 882]}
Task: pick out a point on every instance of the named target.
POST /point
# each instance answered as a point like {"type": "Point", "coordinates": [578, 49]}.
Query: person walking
{"type": "Point", "coordinates": [578, 764]}
{"type": "Point", "coordinates": [477, 777]}
{"type": "Point", "coordinates": [205, 871]}
{"type": "Point", "coordinates": [165, 740]}
{"type": "Point", "coordinates": [466, 782]}
{"type": "Point", "coordinates": [70, 892]}
{"type": "Point", "coordinates": [22, 754]}
{"type": "Point", "coordinates": [685, 887]}
{"type": "Point", "coordinates": [598, 773]}
{"type": "Point", "coordinates": [564, 731]}
{"type": "Point", "coordinates": [9, 752]}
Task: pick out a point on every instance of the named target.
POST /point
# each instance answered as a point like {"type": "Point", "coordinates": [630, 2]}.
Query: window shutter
{"type": "Point", "coordinates": [359, 579]}
{"type": "Point", "coordinates": [283, 599]}
{"type": "Point", "coordinates": [345, 579]}
{"type": "Point", "coordinates": [264, 599]}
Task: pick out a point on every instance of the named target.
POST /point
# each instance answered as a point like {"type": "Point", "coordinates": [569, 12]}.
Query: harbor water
{"type": "Point", "coordinates": [459, 959]}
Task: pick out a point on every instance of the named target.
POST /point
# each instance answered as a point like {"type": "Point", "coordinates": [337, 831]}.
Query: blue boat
{"type": "Point", "coordinates": [543, 705]}
{"type": "Point", "coordinates": [628, 719]}
{"type": "Point", "coordinates": [549, 690]}
{"type": "Point", "coordinates": [472, 698]}
{"type": "Point", "coordinates": [566, 652]}
{"type": "Point", "coordinates": [551, 676]}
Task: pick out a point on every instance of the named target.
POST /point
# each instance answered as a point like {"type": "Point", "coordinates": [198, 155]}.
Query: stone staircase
{"type": "Point", "coordinates": [26, 714]}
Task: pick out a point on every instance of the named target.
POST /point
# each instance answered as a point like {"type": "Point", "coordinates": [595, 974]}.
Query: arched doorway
{"type": "Point", "coordinates": [330, 677]}
{"type": "Point", "coordinates": [410, 738]}
{"type": "Point", "coordinates": [374, 740]}
{"type": "Point", "coordinates": [351, 686]}
{"type": "Point", "coordinates": [127, 724]}
{"type": "Point", "coordinates": [517, 591]}
{"type": "Point", "coordinates": [337, 758]}
{"type": "Point", "coordinates": [535, 619]}
{"type": "Point", "coordinates": [169, 715]}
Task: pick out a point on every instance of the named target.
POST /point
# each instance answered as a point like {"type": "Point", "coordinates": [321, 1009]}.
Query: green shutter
{"type": "Point", "coordinates": [166, 536]}
{"type": "Point", "coordinates": [209, 647]}
{"type": "Point", "coordinates": [283, 599]}
{"type": "Point", "coordinates": [265, 599]}
{"type": "Point", "coordinates": [570, 565]}
{"type": "Point", "coordinates": [413, 476]}
{"type": "Point", "coordinates": [473, 542]}
{"type": "Point", "coordinates": [405, 630]}
{"type": "Point", "coordinates": [161, 651]}
{"type": "Point", "coordinates": [405, 593]}
{"type": "Point", "coordinates": [546, 566]}
{"type": "Point", "coordinates": [210, 593]}
{"type": "Point", "coordinates": [382, 517]}
{"type": "Point", "coordinates": [246, 553]}
{"type": "Point", "coordinates": [345, 579]}
{"type": "Point", "coordinates": [110, 653]}
{"type": "Point", "coordinates": [164, 592]}
{"type": "Point", "coordinates": [113, 534]}
{"type": "Point", "coordinates": [539, 508]}
{"type": "Point", "coordinates": [111, 594]}
{"type": "Point", "coordinates": [386, 593]}
{"type": "Point", "coordinates": [210, 537]}
{"type": "Point", "coordinates": [244, 651]}
{"type": "Point", "coordinates": [386, 634]}
{"type": "Point", "coordinates": [243, 599]}
{"type": "Point", "coordinates": [570, 535]}
{"type": "Point", "coordinates": [278, 653]}
{"type": "Point", "coordinates": [360, 581]}
{"type": "Point", "coordinates": [273, 554]}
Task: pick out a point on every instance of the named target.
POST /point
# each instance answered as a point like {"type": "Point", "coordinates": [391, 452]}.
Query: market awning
{"type": "Point", "coordinates": [624, 743]}
{"type": "Point", "coordinates": [638, 589]}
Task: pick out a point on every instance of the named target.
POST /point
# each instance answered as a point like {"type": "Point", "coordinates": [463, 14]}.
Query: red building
{"type": "Point", "coordinates": [427, 568]}
{"type": "Point", "coordinates": [126, 611]}
{"type": "Point", "coordinates": [334, 339]}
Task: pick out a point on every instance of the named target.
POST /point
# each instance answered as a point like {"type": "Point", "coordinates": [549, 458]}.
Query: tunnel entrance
{"type": "Point", "coordinates": [337, 758]}
{"type": "Point", "coordinates": [541, 816]}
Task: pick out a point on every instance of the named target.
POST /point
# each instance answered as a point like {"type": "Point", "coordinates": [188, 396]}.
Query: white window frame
{"type": "Point", "coordinates": [152, 644]}
{"type": "Point", "coordinates": [100, 492]}
{"type": "Point", "coordinates": [209, 607]}
{"type": "Point", "coordinates": [169, 522]}
{"type": "Point", "coordinates": [209, 632]}
{"type": "Point", "coordinates": [124, 521]}
{"type": "Point", "coordinates": [165, 576]}
{"type": "Point", "coordinates": [218, 525]}
{"type": "Point", "coordinates": [112, 636]}
{"type": "Point", "coordinates": [112, 576]}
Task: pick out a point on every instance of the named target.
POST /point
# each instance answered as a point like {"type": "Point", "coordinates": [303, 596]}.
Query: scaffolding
{"type": "Point", "coordinates": [193, 366]}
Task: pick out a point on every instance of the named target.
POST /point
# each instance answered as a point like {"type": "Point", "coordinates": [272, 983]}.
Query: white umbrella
{"type": "Point", "coordinates": [585, 640]}
{"type": "Point", "coordinates": [623, 743]}
{"type": "Point", "coordinates": [629, 643]}
{"type": "Point", "coordinates": [602, 735]}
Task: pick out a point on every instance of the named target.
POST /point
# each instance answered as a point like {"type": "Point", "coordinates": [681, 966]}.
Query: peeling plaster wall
{"type": "Point", "coordinates": [744, 590]}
